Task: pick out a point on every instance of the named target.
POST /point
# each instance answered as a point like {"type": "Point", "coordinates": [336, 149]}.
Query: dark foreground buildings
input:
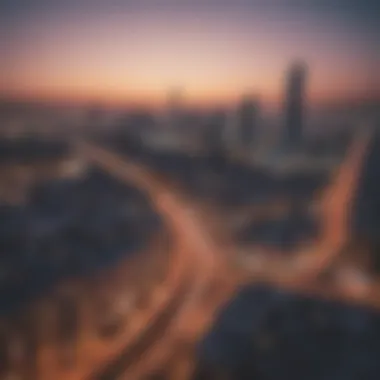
{"type": "Point", "coordinates": [366, 208]}
{"type": "Point", "coordinates": [247, 115]}
{"type": "Point", "coordinates": [266, 333]}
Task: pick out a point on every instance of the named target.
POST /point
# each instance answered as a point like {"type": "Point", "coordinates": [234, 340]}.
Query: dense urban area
{"type": "Point", "coordinates": [239, 211]}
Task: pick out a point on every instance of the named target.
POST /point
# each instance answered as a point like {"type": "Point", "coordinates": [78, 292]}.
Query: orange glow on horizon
{"type": "Point", "coordinates": [158, 99]}
{"type": "Point", "coordinates": [135, 58]}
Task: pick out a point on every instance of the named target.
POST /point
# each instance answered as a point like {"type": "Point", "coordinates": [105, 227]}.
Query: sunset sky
{"type": "Point", "coordinates": [123, 51]}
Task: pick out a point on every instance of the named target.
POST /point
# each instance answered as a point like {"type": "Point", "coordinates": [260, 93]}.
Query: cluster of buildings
{"type": "Point", "coordinates": [245, 131]}
{"type": "Point", "coordinates": [265, 333]}
{"type": "Point", "coordinates": [67, 228]}
{"type": "Point", "coordinates": [231, 130]}
{"type": "Point", "coordinates": [246, 125]}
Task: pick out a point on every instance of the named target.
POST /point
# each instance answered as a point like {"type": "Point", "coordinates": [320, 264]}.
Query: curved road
{"type": "Point", "coordinates": [303, 273]}
{"type": "Point", "coordinates": [194, 247]}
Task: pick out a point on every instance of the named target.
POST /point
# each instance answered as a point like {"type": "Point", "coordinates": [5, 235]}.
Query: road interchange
{"type": "Point", "coordinates": [197, 247]}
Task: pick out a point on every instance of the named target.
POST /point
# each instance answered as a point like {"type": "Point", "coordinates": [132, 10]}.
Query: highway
{"type": "Point", "coordinates": [303, 273]}
{"type": "Point", "coordinates": [89, 348]}
{"type": "Point", "coordinates": [99, 358]}
{"type": "Point", "coordinates": [194, 248]}
{"type": "Point", "coordinates": [191, 304]}
{"type": "Point", "coordinates": [310, 262]}
{"type": "Point", "coordinates": [336, 208]}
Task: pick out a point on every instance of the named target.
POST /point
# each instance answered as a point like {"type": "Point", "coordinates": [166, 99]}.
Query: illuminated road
{"type": "Point", "coordinates": [336, 208]}
{"type": "Point", "coordinates": [203, 273]}
{"type": "Point", "coordinates": [303, 272]}
{"type": "Point", "coordinates": [90, 349]}
{"type": "Point", "coordinates": [308, 263]}
{"type": "Point", "coordinates": [193, 304]}
{"type": "Point", "coordinates": [194, 248]}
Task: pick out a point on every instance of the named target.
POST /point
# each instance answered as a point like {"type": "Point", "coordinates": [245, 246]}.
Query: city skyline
{"type": "Point", "coordinates": [136, 52]}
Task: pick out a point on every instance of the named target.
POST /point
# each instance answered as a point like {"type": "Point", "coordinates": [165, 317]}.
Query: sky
{"type": "Point", "coordinates": [137, 50]}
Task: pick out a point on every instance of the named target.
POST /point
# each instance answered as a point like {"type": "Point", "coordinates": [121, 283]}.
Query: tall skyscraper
{"type": "Point", "coordinates": [175, 107]}
{"type": "Point", "coordinates": [247, 121]}
{"type": "Point", "coordinates": [295, 104]}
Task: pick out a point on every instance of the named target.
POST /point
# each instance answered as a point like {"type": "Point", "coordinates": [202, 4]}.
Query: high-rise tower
{"type": "Point", "coordinates": [295, 104]}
